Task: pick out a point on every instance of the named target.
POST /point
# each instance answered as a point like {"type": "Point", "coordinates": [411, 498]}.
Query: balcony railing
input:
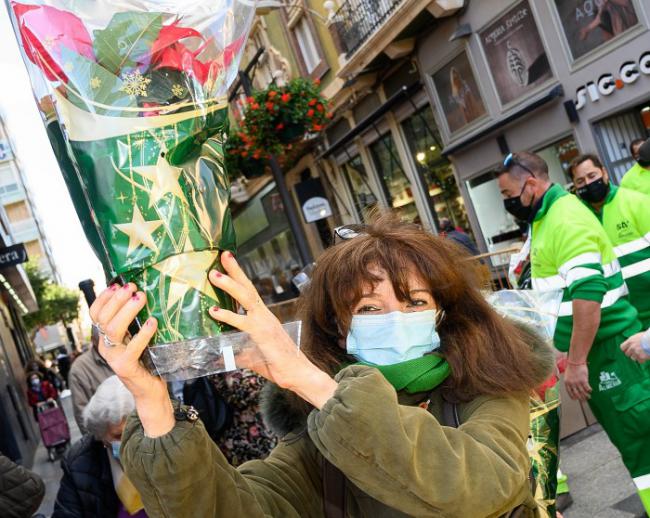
{"type": "Point", "coordinates": [356, 20]}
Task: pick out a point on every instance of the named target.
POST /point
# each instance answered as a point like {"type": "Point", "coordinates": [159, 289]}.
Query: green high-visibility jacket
{"type": "Point", "coordinates": [571, 251]}
{"type": "Point", "coordinates": [626, 220]}
{"type": "Point", "coordinates": [637, 179]}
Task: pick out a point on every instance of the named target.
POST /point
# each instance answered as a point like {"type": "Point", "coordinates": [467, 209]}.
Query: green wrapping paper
{"type": "Point", "coordinates": [135, 98]}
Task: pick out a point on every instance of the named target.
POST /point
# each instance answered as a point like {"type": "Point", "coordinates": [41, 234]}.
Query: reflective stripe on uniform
{"type": "Point", "coordinates": [556, 282]}
{"type": "Point", "coordinates": [578, 273]}
{"type": "Point", "coordinates": [559, 282]}
{"type": "Point", "coordinates": [632, 246]}
{"type": "Point", "coordinates": [642, 482]}
{"type": "Point", "coordinates": [587, 258]}
{"type": "Point", "coordinates": [611, 268]}
{"type": "Point", "coordinates": [610, 298]}
{"type": "Point", "coordinates": [632, 270]}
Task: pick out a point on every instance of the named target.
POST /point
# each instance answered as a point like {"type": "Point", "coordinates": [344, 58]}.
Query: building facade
{"type": "Point", "coordinates": [20, 210]}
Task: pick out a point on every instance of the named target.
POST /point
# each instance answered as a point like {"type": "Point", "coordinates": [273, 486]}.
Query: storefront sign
{"type": "Point", "coordinates": [607, 84]}
{"type": "Point", "coordinates": [312, 198]}
{"type": "Point", "coordinates": [515, 53]}
{"type": "Point", "coordinates": [13, 255]}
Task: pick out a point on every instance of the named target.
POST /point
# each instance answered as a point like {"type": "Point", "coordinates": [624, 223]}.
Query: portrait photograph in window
{"type": "Point", "coordinates": [588, 24]}
{"type": "Point", "coordinates": [458, 92]}
{"type": "Point", "coordinates": [515, 53]}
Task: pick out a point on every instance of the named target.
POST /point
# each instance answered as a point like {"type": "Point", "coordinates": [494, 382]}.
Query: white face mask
{"type": "Point", "coordinates": [392, 338]}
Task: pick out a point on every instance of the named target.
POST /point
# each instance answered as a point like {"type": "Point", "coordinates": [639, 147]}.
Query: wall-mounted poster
{"type": "Point", "coordinates": [515, 53]}
{"type": "Point", "coordinates": [588, 24]}
{"type": "Point", "coordinates": [458, 92]}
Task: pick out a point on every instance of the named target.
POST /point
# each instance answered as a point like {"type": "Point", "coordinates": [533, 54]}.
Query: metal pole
{"type": "Point", "coordinates": [287, 202]}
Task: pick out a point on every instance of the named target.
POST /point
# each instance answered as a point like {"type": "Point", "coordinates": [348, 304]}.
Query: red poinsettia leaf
{"type": "Point", "coordinates": [172, 34]}
{"type": "Point", "coordinates": [45, 31]}
{"type": "Point", "coordinates": [171, 57]}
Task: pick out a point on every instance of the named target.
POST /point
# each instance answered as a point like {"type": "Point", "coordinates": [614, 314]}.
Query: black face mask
{"type": "Point", "coordinates": [595, 192]}
{"type": "Point", "coordinates": [516, 208]}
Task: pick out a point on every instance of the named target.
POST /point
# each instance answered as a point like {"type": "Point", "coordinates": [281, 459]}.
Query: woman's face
{"type": "Point", "coordinates": [381, 299]}
{"type": "Point", "coordinates": [114, 432]}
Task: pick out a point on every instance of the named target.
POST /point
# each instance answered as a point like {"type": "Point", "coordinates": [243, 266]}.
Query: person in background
{"type": "Point", "coordinates": [625, 216]}
{"type": "Point", "coordinates": [94, 484]}
{"type": "Point", "coordinates": [63, 361]}
{"type": "Point", "coordinates": [448, 230]}
{"type": "Point", "coordinates": [378, 366]}
{"type": "Point", "coordinates": [571, 251]}
{"type": "Point", "coordinates": [635, 145]}
{"type": "Point", "coordinates": [41, 366]}
{"type": "Point", "coordinates": [87, 372]}
{"type": "Point", "coordinates": [38, 391]}
{"type": "Point", "coordinates": [21, 491]}
{"type": "Point", "coordinates": [638, 176]}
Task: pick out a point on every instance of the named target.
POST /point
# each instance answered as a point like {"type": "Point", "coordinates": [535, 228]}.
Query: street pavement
{"type": "Point", "coordinates": [600, 485]}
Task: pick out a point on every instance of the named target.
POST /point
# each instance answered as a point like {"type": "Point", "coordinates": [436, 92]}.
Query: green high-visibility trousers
{"type": "Point", "coordinates": [620, 400]}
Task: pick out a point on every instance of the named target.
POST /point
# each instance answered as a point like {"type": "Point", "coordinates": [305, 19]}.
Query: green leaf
{"type": "Point", "coordinates": [127, 40]}
{"type": "Point", "coordinates": [90, 83]}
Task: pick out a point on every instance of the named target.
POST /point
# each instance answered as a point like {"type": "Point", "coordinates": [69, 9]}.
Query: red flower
{"type": "Point", "coordinates": [286, 97]}
{"type": "Point", "coordinates": [45, 31]}
{"type": "Point", "coordinates": [312, 102]}
{"type": "Point", "coordinates": [272, 94]}
{"type": "Point", "coordinates": [270, 106]}
{"type": "Point", "coordinates": [257, 154]}
{"type": "Point", "coordinates": [329, 115]}
{"type": "Point", "coordinates": [317, 127]}
{"type": "Point", "coordinates": [317, 82]}
{"type": "Point", "coordinates": [250, 99]}
{"type": "Point", "coordinates": [310, 113]}
{"type": "Point", "coordinates": [255, 106]}
{"type": "Point", "coordinates": [244, 154]}
{"type": "Point", "coordinates": [320, 108]}
{"type": "Point", "coordinates": [279, 126]}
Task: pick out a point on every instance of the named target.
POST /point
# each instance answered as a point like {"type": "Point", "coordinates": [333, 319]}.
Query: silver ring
{"type": "Point", "coordinates": [99, 328]}
{"type": "Point", "coordinates": [108, 342]}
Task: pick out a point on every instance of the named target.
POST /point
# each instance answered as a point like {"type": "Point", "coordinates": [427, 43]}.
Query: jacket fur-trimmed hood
{"type": "Point", "coordinates": [285, 412]}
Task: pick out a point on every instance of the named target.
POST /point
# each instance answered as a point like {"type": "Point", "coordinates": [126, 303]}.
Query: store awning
{"type": "Point", "coordinates": [554, 93]}
{"type": "Point", "coordinates": [403, 94]}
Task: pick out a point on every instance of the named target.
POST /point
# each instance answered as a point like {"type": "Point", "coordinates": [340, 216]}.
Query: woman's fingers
{"type": "Point", "coordinates": [101, 301]}
{"type": "Point", "coordinates": [114, 304]}
{"type": "Point", "coordinates": [230, 318]}
{"type": "Point", "coordinates": [247, 296]}
{"type": "Point", "coordinates": [139, 342]}
{"type": "Point", "coordinates": [234, 271]}
{"type": "Point", "coordinates": [117, 327]}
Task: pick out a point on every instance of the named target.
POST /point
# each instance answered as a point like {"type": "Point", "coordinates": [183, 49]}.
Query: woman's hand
{"type": "Point", "coordinates": [633, 348]}
{"type": "Point", "coordinates": [278, 357]}
{"type": "Point", "coordinates": [113, 312]}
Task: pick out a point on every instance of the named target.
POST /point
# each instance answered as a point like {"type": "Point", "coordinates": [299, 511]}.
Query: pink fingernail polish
{"type": "Point", "coordinates": [150, 322]}
{"type": "Point", "coordinates": [126, 287]}
{"type": "Point", "coordinates": [113, 287]}
{"type": "Point", "coordinates": [135, 296]}
{"type": "Point", "coordinates": [215, 308]}
{"type": "Point", "coordinates": [218, 274]}
{"type": "Point", "coordinates": [228, 254]}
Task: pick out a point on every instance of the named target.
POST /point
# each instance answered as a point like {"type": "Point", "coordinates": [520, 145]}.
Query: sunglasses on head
{"type": "Point", "coordinates": [347, 232]}
{"type": "Point", "coordinates": [512, 160]}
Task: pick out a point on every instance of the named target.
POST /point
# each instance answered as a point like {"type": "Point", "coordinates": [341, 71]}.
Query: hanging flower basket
{"type": "Point", "coordinates": [280, 116]}
{"type": "Point", "coordinates": [242, 160]}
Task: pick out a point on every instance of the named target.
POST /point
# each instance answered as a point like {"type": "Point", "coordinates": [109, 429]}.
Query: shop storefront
{"type": "Point", "coordinates": [549, 77]}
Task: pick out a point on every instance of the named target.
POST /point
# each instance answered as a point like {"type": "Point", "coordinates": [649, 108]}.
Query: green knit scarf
{"type": "Point", "coordinates": [419, 375]}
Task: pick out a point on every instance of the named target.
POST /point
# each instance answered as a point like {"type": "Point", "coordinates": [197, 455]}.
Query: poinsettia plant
{"type": "Point", "coordinates": [280, 116]}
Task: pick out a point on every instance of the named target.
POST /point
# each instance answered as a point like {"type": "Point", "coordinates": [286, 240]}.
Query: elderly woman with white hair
{"type": "Point", "coordinates": [93, 483]}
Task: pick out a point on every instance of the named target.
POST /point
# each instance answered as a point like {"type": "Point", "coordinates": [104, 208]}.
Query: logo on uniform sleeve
{"type": "Point", "coordinates": [608, 380]}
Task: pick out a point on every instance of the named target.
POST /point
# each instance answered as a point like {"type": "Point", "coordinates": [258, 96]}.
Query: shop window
{"type": "Point", "coordinates": [304, 40]}
{"type": "Point", "coordinates": [499, 228]}
{"type": "Point", "coordinates": [394, 181]}
{"type": "Point", "coordinates": [558, 156]}
{"type": "Point", "coordinates": [357, 178]}
{"type": "Point", "coordinates": [267, 251]}
{"type": "Point", "coordinates": [437, 172]}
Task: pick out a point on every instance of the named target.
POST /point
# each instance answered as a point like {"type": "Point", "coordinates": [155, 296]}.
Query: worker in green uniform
{"type": "Point", "coordinates": [571, 251]}
{"type": "Point", "coordinates": [638, 176]}
{"type": "Point", "coordinates": [625, 216]}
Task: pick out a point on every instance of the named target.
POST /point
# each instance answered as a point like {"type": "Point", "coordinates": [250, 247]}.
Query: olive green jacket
{"type": "Point", "coordinates": [398, 459]}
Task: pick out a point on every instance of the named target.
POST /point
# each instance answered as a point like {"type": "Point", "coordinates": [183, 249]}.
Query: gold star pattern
{"type": "Point", "coordinates": [121, 197]}
{"type": "Point", "coordinates": [188, 271]}
{"type": "Point", "coordinates": [135, 84]}
{"type": "Point", "coordinates": [164, 178]}
{"type": "Point", "coordinates": [140, 232]}
{"type": "Point", "coordinates": [95, 83]}
{"type": "Point", "coordinates": [178, 90]}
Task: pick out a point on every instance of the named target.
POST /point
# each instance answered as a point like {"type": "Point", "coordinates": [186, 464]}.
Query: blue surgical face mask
{"type": "Point", "coordinates": [392, 338]}
{"type": "Point", "coordinates": [115, 449]}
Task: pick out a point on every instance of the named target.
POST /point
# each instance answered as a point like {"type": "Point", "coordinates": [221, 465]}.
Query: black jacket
{"type": "Point", "coordinates": [21, 491]}
{"type": "Point", "coordinates": [87, 485]}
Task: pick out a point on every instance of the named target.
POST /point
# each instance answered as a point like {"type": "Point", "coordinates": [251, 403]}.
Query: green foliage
{"type": "Point", "coordinates": [127, 40]}
{"type": "Point", "coordinates": [56, 303]}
